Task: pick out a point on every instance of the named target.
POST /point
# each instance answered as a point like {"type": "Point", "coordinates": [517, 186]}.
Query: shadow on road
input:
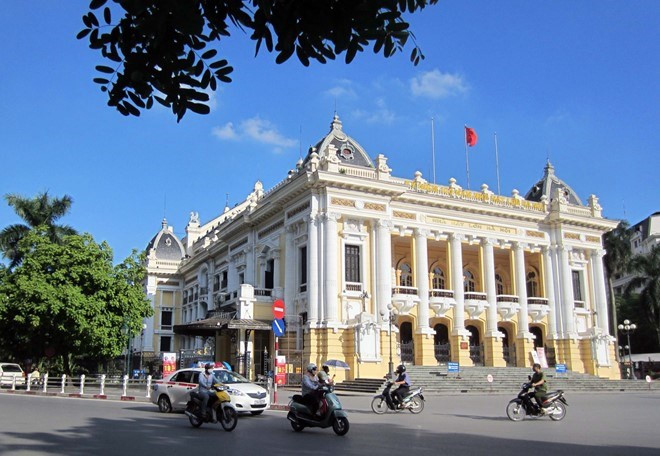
{"type": "Point", "coordinates": [271, 434]}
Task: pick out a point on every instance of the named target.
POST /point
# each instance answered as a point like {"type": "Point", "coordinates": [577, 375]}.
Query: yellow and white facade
{"type": "Point", "coordinates": [364, 259]}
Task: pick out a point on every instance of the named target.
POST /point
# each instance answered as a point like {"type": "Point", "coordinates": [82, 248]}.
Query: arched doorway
{"type": "Point", "coordinates": [476, 349]}
{"type": "Point", "coordinates": [538, 333]}
{"type": "Point", "coordinates": [441, 343]}
{"type": "Point", "coordinates": [406, 340]}
{"type": "Point", "coordinates": [508, 350]}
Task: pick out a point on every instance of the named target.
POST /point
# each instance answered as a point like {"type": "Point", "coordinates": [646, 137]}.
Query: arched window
{"type": "Point", "coordinates": [406, 275]}
{"type": "Point", "coordinates": [468, 281]}
{"type": "Point", "coordinates": [532, 284]}
{"type": "Point", "coordinates": [499, 284]}
{"type": "Point", "coordinates": [438, 279]}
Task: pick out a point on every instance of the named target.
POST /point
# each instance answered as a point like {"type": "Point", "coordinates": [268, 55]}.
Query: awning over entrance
{"type": "Point", "coordinates": [209, 326]}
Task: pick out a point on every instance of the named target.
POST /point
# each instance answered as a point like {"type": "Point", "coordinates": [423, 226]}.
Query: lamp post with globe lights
{"type": "Point", "coordinates": [626, 329]}
{"type": "Point", "coordinates": [389, 316]}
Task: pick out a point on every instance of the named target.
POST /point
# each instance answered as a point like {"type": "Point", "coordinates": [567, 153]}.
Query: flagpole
{"type": "Point", "coordinates": [497, 166]}
{"type": "Point", "coordinates": [467, 161]}
{"type": "Point", "coordinates": [433, 148]}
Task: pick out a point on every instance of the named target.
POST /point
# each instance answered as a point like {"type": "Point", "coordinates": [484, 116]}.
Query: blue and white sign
{"type": "Point", "coordinates": [560, 368]}
{"type": "Point", "coordinates": [452, 367]}
{"type": "Point", "coordinates": [278, 327]}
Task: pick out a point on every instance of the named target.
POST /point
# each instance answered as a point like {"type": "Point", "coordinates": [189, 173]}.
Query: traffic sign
{"type": "Point", "coordinates": [452, 367]}
{"type": "Point", "coordinates": [278, 327]}
{"type": "Point", "coordinates": [278, 309]}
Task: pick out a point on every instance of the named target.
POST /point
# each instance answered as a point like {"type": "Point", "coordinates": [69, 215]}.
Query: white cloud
{"type": "Point", "coordinates": [436, 84]}
{"type": "Point", "coordinates": [225, 132]}
{"type": "Point", "coordinates": [264, 131]}
{"type": "Point", "coordinates": [381, 114]}
{"type": "Point", "coordinates": [342, 89]}
{"type": "Point", "coordinates": [255, 129]}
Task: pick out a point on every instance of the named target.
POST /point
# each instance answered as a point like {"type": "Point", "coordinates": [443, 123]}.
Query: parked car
{"type": "Point", "coordinates": [173, 392]}
{"type": "Point", "coordinates": [7, 373]}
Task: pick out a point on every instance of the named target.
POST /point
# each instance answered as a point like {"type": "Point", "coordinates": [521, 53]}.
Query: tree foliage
{"type": "Point", "coordinates": [68, 299]}
{"type": "Point", "coordinates": [42, 210]}
{"type": "Point", "coordinates": [167, 50]}
{"type": "Point", "coordinates": [646, 284]}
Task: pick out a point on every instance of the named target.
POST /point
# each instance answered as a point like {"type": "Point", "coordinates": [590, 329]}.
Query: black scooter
{"type": "Point", "coordinates": [331, 413]}
{"type": "Point", "coordinates": [413, 401]}
{"type": "Point", "coordinates": [554, 405]}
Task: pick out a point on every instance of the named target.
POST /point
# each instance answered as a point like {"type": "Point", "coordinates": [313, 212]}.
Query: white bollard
{"type": "Point", "coordinates": [148, 385]}
{"type": "Point", "coordinates": [125, 385]}
{"type": "Point", "coordinates": [102, 384]}
{"type": "Point", "coordinates": [45, 381]}
{"type": "Point", "coordinates": [13, 383]}
{"type": "Point", "coordinates": [63, 382]}
{"type": "Point", "coordinates": [29, 380]}
{"type": "Point", "coordinates": [82, 384]}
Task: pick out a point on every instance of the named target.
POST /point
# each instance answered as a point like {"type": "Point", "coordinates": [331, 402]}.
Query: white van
{"type": "Point", "coordinates": [7, 373]}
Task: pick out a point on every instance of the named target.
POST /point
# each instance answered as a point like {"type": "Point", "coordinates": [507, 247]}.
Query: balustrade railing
{"type": "Point", "coordinates": [507, 298]}
{"type": "Point", "coordinates": [263, 292]}
{"type": "Point", "coordinates": [404, 290]}
{"type": "Point", "coordinates": [438, 293]}
{"type": "Point", "coordinates": [354, 286]}
{"type": "Point", "coordinates": [537, 301]}
{"type": "Point", "coordinates": [475, 295]}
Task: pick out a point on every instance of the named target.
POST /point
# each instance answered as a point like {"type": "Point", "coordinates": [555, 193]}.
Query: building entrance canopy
{"type": "Point", "coordinates": [209, 326]}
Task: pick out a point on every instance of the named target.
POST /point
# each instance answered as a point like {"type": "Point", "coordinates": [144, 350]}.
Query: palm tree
{"type": "Point", "coordinates": [42, 210]}
{"type": "Point", "coordinates": [617, 246]}
{"type": "Point", "coordinates": [646, 282]}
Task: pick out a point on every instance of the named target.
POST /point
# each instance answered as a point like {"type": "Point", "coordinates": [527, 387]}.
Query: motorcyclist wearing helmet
{"type": "Point", "coordinates": [310, 388]}
{"type": "Point", "coordinates": [206, 380]}
{"type": "Point", "coordinates": [403, 382]}
{"type": "Point", "coordinates": [540, 386]}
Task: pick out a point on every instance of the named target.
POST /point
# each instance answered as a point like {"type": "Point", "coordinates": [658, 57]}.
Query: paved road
{"type": "Point", "coordinates": [599, 424]}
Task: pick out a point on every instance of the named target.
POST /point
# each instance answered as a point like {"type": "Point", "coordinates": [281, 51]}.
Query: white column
{"type": "Point", "coordinates": [312, 269]}
{"type": "Point", "coordinates": [422, 275]}
{"type": "Point", "coordinates": [457, 282]}
{"type": "Point", "coordinates": [384, 262]}
{"type": "Point", "coordinates": [276, 268]}
{"type": "Point", "coordinates": [599, 287]}
{"type": "Point", "coordinates": [548, 281]}
{"type": "Point", "coordinates": [567, 293]}
{"type": "Point", "coordinates": [521, 288]}
{"type": "Point", "coordinates": [331, 290]}
{"type": "Point", "coordinates": [491, 290]}
{"type": "Point", "coordinates": [291, 272]}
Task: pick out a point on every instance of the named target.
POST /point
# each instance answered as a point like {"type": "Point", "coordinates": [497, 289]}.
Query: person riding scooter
{"type": "Point", "coordinates": [310, 388]}
{"type": "Point", "coordinates": [540, 386]}
{"type": "Point", "coordinates": [403, 382]}
{"type": "Point", "coordinates": [206, 380]}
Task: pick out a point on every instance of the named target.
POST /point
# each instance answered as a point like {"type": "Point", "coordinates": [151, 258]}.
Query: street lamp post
{"type": "Point", "coordinates": [144, 327]}
{"type": "Point", "coordinates": [626, 329]}
{"type": "Point", "coordinates": [390, 315]}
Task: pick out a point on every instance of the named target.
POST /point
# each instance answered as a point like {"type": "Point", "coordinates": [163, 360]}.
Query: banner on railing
{"type": "Point", "coordinates": [540, 351]}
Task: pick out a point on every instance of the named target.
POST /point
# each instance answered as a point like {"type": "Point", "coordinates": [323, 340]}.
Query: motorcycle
{"type": "Point", "coordinates": [554, 405]}
{"type": "Point", "coordinates": [413, 401]}
{"type": "Point", "coordinates": [331, 413]}
{"type": "Point", "coordinates": [220, 407]}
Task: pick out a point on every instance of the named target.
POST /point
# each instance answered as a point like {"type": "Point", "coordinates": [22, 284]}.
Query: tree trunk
{"type": "Point", "coordinates": [614, 320]}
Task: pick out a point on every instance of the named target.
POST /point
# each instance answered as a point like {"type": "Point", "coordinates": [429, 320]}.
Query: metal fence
{"type": "Point", "coordinates": [442, 353]}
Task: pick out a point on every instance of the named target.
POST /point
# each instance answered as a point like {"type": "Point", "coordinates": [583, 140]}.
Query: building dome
{"type": "Point", "coordinates": [548, 185]}
{"type": "Point", "coordinates": [347, 150]}
{"type": "Point", "coordinates": [165, 245]}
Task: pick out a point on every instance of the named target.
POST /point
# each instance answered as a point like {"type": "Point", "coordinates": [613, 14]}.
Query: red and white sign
{"type": "Point", "coordinates": [278, 309]}
{"type": "Point", "coordinates": [169, 363]}
{"type": "Point", "coordinates": [280, 373]}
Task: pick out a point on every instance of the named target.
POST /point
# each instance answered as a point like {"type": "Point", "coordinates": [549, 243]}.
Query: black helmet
{"type": "Point", "coordinates": [400, 369]}
{"type": "Point", "coordinates": [208, 366]}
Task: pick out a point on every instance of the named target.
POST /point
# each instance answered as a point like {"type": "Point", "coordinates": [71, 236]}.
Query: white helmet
{"type": "Point", "coordinates": [311, 367]}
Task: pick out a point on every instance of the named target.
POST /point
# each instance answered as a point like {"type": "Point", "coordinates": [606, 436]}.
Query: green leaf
{"type": "Point", "coordinates": [101, 81]}
{"type": "Point", "coordinates": [198, 108]}
{"type": "Point", "coordinates": [105, 69]}
{"type": "Point", "coordinates": [83, 33]}
{"type": "Point", "coordinates": [209, 54]}
{"type": "Point", "coordinates": [107, 16]}
{"type": "Point", "coordinates": [96, 4]}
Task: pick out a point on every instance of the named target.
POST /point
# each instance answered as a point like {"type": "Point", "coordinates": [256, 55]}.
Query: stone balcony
{"type": "Point", "coordinates": [475, 303]}
{"type": "Point", "coordinates": [404, 299]}
{"type": "Point", "coordinates": [441, 301]}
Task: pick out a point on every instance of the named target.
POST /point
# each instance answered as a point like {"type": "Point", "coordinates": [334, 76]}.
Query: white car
{"type": "Point", "coordinates": [9, 371]}
{"type": "Point", "coordinates": [173, 392]}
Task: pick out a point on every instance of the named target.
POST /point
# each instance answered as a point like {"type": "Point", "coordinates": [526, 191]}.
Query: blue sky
{"type": "Point", "coordinates": [575, 81]}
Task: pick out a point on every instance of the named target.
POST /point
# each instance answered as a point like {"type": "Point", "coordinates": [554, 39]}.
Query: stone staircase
{"type": "Point", "coordinates": [509, 379]}
{"type": "Point", "coordinates": [436, 380]}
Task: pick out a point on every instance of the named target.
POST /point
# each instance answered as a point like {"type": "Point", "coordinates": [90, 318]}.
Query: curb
{"type": "Point", "coordinates": [78, 396]}
{"type": "Point", "coordinates": [279, 407]}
